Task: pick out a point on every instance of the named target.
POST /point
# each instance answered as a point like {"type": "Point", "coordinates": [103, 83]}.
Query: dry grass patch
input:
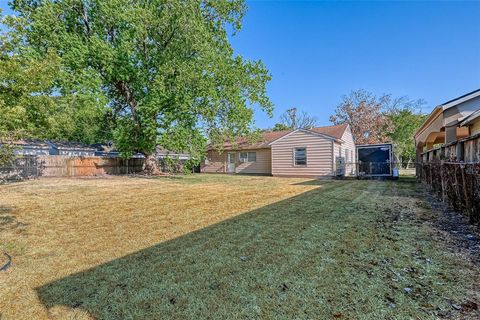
{"type": "Point", "coordinates": [216, 246]}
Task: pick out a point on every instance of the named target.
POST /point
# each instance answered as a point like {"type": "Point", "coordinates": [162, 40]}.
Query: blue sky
{"type": "Point", "coordinates": [318, 51]}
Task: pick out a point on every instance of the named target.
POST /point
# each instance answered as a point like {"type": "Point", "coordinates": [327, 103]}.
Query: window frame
{"type": "Point", "coordinates": [240, 156]}
{"type": "Point", "coordinates": [294, 152]}
{"type": "Point", "coordinates": [247, 158]}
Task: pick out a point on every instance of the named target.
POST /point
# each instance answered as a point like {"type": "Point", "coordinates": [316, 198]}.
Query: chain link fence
{"type": "Point", "coordinates": [20, 168]}
{"type": "Point", "coordinates": [375, 169]}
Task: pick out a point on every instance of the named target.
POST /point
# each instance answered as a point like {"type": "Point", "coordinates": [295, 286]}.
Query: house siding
{"type": "Point", "coordinates": [263, 165]}
{"type": "Point", "coordinates": [349, 144]}
{"type": "Point", "coordinates": [217, 163]}
{"type": "Point", "coordinates": [319, 155]}
{"type": "Point", "coordinates": [475, 128]}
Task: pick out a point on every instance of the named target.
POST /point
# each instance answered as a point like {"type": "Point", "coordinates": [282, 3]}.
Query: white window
{"type": "Point", "coordinates": [300, 156]}
{"type": "Point", "coordinates": [346, 155]}
{"type": "Point", "coordinates": [248, 157]}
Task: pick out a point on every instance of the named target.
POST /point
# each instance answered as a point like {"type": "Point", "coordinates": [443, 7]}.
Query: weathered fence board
{"type": "Point", "coordinates": [60, 166]}
{"type": "Point", "coordinates": [453, 173]}
{"type": "Point", "coordinates": [65, 166]}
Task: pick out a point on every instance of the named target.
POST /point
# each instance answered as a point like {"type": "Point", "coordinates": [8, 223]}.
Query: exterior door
{"type": "Point", "coordinates": [231, 162]}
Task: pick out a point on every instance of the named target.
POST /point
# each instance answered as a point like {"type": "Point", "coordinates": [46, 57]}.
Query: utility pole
{"type": "Point", "coordinates": [292, 113]}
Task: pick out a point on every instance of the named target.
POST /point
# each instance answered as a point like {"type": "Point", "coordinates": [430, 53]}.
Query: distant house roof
{"type": "Point", "coordinates": [335, 132]}
{"type": "Point", "coordinates": [31, 143]}
{"type": "Point", "coordinates": [70, 145]}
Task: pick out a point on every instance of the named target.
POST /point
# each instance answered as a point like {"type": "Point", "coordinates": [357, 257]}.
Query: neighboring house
{"type": "Point", "coordinates": [33, 147]}
{"type": "Point", "coordinates": [71, 149]}
{"type": "Point", "coordinates": [453, 120]}
{"type": "Point", "coordinates": [163, 153]}
{"type": "Point", "coordinates": [315, 152]}
{"type": "Point", "coordinates": [472, 122]}
{"type": "Point", "coordinates": [106, 150]}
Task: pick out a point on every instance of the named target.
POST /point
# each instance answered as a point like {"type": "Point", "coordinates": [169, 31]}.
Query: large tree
{"type": "Point", "coordinates": [382, 119]}
{"type": "Point", "coordinates": [31, 104]}
{"type": "Point", "coordinates": [167, 67]}
{"type": "Point", "coordinates": [367, 116]}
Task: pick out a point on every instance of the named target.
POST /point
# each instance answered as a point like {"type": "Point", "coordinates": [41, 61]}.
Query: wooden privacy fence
{"type": "Point", "coordinates": [60, 166]}
{"type": "Point", "coordinates": [65, 166]}
{"type": "Point", "coordinates": [453, 173]}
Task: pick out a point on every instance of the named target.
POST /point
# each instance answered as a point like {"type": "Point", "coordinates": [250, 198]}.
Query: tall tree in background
{"type": "Point", "coordinates": [292, 119]}
{"type": "Point", "coordinates": [166, 67]}
{"type": "Point", "coordinates": [406, 119]}
{"type": "Point", "coordinates": [382, 119]}
{"type": "Point", "coordinates": [367, 116]}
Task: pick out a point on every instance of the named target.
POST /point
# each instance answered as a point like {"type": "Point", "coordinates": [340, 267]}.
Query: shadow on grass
{"type": "Point", "coordinates": [300, 257]}
{"type": "Point", "coordinates": [8, 220]}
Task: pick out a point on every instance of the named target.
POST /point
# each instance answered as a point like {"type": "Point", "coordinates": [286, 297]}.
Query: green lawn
{"type": "Point", "coordinates": [226, 247]}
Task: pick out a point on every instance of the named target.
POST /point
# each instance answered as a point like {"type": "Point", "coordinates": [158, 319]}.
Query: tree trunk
{"type": "Point", "coordinates": [151, 165]}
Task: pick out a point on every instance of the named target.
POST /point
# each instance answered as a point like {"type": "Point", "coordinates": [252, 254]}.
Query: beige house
{"type": "Point", "coordinates": [315, 152]}
{"type": "Point", "coordinates": [455, 119]}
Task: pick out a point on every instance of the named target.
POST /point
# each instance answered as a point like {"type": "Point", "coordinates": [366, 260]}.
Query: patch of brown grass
{"type": "Point", "coordinates": [217, 246]}
{"type": "Point", "coordinates": [56, 227]}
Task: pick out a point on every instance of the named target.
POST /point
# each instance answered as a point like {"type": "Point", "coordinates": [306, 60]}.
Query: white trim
{"type": "Point", "coordinates": [468, 119]}
{"type": "Point", "coordinates": [460, 100]}
{"type": "Point", "coordinates": [294, 157]}
{"type": "Point", "coordinates": [374, 145]}
{"type": "Point", "coordinates": [349, 129]}
{"type": "Point", "coordinates": [307, 131]}
{"type": "Point", "coordinates": [234, 163]}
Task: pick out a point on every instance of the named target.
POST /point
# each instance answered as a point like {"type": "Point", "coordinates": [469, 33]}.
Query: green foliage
{"type": "Point", "coordinates": [280, 127]}
{"type": "Point", "coordinates": [166, 68]}
{"type": "Point", "coordinates": [37, 96]}
{"type": "Point", "coordinates": [6, 152]}
{"type": "Point", "coordinates": [382, 119]}
{"type": "Point", "coordinates": [405, 122]}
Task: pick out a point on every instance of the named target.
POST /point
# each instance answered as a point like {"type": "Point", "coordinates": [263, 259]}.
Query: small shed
{"type": "Point", "coordinates": [375, 160]}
